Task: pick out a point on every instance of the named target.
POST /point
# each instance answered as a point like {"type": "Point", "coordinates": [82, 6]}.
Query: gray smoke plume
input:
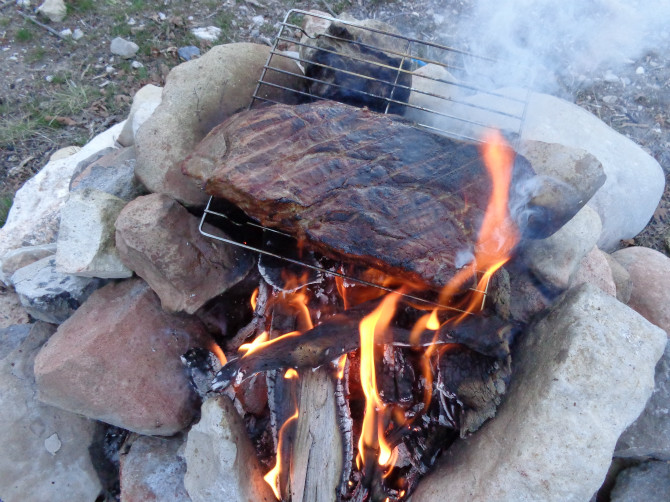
{"type": "Point", "coordinates": [544, 41]}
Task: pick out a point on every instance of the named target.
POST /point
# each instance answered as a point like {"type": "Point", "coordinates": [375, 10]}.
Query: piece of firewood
{"type": "Point", "coordinates": [316, 463]}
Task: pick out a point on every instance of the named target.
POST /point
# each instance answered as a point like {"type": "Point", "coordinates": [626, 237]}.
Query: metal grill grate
{"type": "Point", "coordinates": [430, 84]}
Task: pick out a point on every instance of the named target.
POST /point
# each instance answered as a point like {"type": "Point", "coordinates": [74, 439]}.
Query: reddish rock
{"type": "Point", "coordinates": [595, 269]}
{"type": "Point", "coordinates": [117, 359]}
{"type": "Point", "coordinates": [650, 273]}
{"type": "Point", "coordinates": [159, 239]}
{"type": "Point", "coordinates": [154, 471]}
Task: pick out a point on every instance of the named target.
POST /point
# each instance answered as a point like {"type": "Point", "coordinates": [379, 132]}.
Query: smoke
{"type": "Point", "coordinates": [542, 42]}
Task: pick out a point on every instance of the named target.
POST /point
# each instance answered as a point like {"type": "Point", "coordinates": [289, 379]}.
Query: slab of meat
{"type": "Point", "coordinates": [355, 184]}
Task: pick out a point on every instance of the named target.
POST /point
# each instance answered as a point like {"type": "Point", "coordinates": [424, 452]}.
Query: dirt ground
{"type": "Point", "coordinates": [57, 92]}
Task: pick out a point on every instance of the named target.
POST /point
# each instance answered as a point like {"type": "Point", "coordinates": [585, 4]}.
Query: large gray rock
{"type": "Point", "coordinates": [86, 243]}
{"type": "Point", "coordinates": [145, 101]}
{"type": "Point", "coordinates": [198, 95]}
{"type": "Point", "coordinates": [635, 181]}
{"type": "Point", "coordinates": [117, 359]}
{"type": "Point", "coordinates": [55, 10]}
{"type": "Point", "coordinates": [554, 435]}
{"type": "Point", "coordinates": [221, 463]}
{"type": "Point", "coordinates": [111, 171]}
{"type": "Point", "coordinates": [153, 470]}
{"type": "Point", "coordinates": [22, 257]}
{"type": "Point", "coordinates": [43, 450]}
{"type": "Point", "coordinates": [649, 435]}
{"type": "Point", "coordinates": [650, 274]}
{"type": "Point", "coordinates": [553, 260]}
{"type": "Point", "coordinates": [35, 213]}
{"type": "Point", "coordinates": [643, 483]}
{"type": "Point", "coordinates": [49, 295]}
{"type": "Point", "coordinates": [160, 240]}
{"type": "Point", "coordinates": [124, 48]}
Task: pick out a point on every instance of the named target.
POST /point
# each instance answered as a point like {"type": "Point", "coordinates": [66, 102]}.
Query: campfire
{"type": "Point", "coordinates": [367, 309]}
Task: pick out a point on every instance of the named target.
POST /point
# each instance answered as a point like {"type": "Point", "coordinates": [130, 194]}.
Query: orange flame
{"type": "Point", "coordinates": [290, 374]}
{"type": "Point", "coordinates": [254, 297]}
{"type": "Point", "coordinates": [498, 234]}
{"type": "Point", "coordinates": [272, 477]}
{"type": "Point", "coordinates": [253, 346]}
{"type": "Point", "coordinates": [216, 350]}
{"type": "Point", "coordinates": [372, 435]}
{"type": "Point", "coordinates": [341, 365]}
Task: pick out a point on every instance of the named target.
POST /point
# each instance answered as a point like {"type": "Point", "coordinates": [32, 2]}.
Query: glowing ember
{"type": "Point", "coordinates": [251, 347]}
{"type": "Point", "coordinates": [254, 297]}
{"type": "Point", "coordinates": [341, 364]}
{"type": "Point", "coordinates": [290, 374]}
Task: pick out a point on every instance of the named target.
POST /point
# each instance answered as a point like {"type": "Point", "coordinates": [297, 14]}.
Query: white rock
{"type": "Point", "coordinates": [210, 33]}
{"type": "Point", "coordinates": [64, 152]}
{"type": "Point", "coordinates": [554, 434]}
{"type": "Point", "coordinates": [43, 450]}
{"type": "Point", "coordinates": [221, 463]}
{"type": "Point", "coordinates": [639, 70]}
{"type": "Point", "coordinates": [137, 65]}
{"type": "Point", "coordinates": [23, 3]}
{"type": "Point", "coordinates": [55, 10]}
{"type": "Point", "coordinates": [145, 101]}
{"type": "Point", "coordinates": [610, 100]}
{"type": "Point", "coordinates": [77, 34]}
{"type": "Point", "coordinates": [162, 16]}
{"type": "Point", "coordinates": [555, 259]}
{"type": "Point", "coordinates": [67, 32]}
{"type": "Point", "coordinates": [610, 77]}
{"type": "Point", "coordinates": [86, 245]}
{"type": "Point", "coordinates": [35, 213]}
{"type": "Point", "coordinates": [22, 257]}
{"type": "Point", "coordinates": [124, 48]}
{"type": "Point", "coordinates": [258, 20]}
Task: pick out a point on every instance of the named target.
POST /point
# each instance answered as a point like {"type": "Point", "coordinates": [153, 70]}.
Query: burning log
{"type": "Point", "coordinates": [362, 186]}
{"type": "Point", "coordinates": [339, 335]}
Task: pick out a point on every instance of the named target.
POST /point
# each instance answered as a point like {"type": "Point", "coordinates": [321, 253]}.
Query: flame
{"type": "Point", "coordinates": [216, 350]}
{"type": "Point", "coordinates": [290, 374]}
{"type": "Point", "coordinates": [498, 234]}
{"type": "Point", "coordinates": [253, 346]}
{"type": "Point", "coordinates": [272, 477]}
{"type": "Point", "coordinates": [341, 365]}
{"type": "Point", "coordinates": [254, 297]}
{"type": "Point", "coordinates": [372, 434]}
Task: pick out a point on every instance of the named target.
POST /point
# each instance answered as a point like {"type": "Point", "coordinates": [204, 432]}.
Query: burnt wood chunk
{"type": "Point", "coordinates": [355, 184]}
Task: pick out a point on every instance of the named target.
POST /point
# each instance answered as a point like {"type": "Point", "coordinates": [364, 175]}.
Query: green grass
{"type": "Point", "coordinates": [36, 55]}
{"type": "Point", "coordinates": [5, 205]}
{"type": "Point", "coordinates": [24, 35]}
{"type": "Point", "coordinates": [82, 6]}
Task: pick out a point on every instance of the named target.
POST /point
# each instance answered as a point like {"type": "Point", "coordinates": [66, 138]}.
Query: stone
{"type": "Point", "coordinates": [207, 33]}
{"type": "Point", "coordinates": [527, 297]}
{"type": "Point", "coordinates": [12, 336]}
{"type": "Point", "coordinates": [160, 241]}
{"type": "Point", "coordinates": [35, 213]}
{"type": "Point", "coordinates": [554, 434]}
{"type": "Point", "coordinates": [63, 153]}
{"type": "Point", "coordinates": [124, 48]}
{"type": "Point", "coordinates": [595, 269]}
{"type": "Point", "coordinates": [86, 239]}
{"type": "Point", "coordinates": [112, 171]}
{"type": "Point", "coordinates": [145, 102]}
{"type": "Point", "coordinates": [642, 483]}
{"type": "Point", "coordinates": [55, 10]}
{"type": "Point", "coordinates": [77, 34]}
{"type": "Point", "coordinates": [43, 450]}
{"type": "Point", "coordinates": [649, 435]}
{"type": "Point", "coordinates": [622, 280]}
{"type": "Point", "coordinates": [22, 257]}
{"type": "Point", "coordinates": [650, 274]}
{"type": "Point", "coordinates": [635, 180]}
{"type": "Point", "coordinates": [199, 95]}
{"type": "Point", "coordinates": [66, 33]}
{"type": "Point", "coordinates": [117, 359]}
{"type": "Point", "coordinates": [153, 469]}
{"type": "Point", "coordinates": [11, 311]}
{"type": "Point", "coordinates": [221, 463]}
{"type": "Point", "coordinates": [189, 52]}
{"type": "Point", "coordinates": [553, 260]}
{"type": "Point", "coordinates": [432, 86]}
{"type": "Point", "coordinates": [48, 295]}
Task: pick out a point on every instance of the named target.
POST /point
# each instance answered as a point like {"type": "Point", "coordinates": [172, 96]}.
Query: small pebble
{"type": "Point", "coordinates": [109, 69]}
{"type": "Point", "coordinates": [610, 99]}
{"type": "Point", "coordinates": [67, 32]}
{"type": "Point", "coordinates": [137, 65]}
{"type": "Point", "coordinates": [52, 444]}
{"type": "Point", "coordinates": [187, 53]}
{"type": "Point", "coordinates": [162, 16]}
{"type": "Point", "coordinates": [258, 20]}
{"type": "Point", "coordinates": [77, 34]}
{"type": "Point", "coordinates": [610, 77]}
{"type": "Point", "coordinates": [639, 70]}
{"type": "Point", "coordinates": [131, 22]}
{"type": "Point", "coordinates": [49, 78]}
